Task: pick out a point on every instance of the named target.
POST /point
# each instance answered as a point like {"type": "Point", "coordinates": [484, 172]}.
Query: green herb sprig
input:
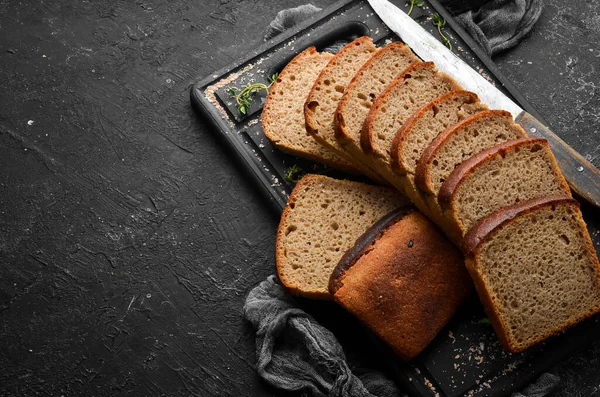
{"type": "Point", "coordinates": [413, 3]}
{"type": "Point", "coordinates": [440, 22]}
{"type": "Point", "coordinates": [294, 174]}
{"type": "Point", "coordinates": [244, 97]}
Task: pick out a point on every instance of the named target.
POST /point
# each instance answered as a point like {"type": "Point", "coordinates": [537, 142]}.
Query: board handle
{"type": "Point", "coordinates": [582, 176]}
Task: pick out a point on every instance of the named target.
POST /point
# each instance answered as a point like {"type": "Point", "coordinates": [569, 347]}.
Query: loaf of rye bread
{"type": "Point", "coordinates": [283, 114]}
{"type": "Point", "coordinates": [322, 219]}
{"type": "Point", "coordinates": [534, 268]}
{"type": "Point", "coordinates": [403, 279]}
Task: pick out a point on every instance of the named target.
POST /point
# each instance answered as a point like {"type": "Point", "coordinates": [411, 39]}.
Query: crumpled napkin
{"type": "Point", "coordinates": [295, 353]}
{"type": "Point", "coordinates": [501, 24]}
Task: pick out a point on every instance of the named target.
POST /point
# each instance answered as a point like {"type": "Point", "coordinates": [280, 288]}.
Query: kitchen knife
{"type": "Point", "coordinates": [583, 177]}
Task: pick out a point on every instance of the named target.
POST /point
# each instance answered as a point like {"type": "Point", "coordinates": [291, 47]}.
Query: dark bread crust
{"type": "Point", "coordinates": [422, 171]}
{"type": "Point", "coordinates": [363, 244]}
{"type": "Point", "coordinates": [485, 229]}
{"type": "Point", "coordinates": [406, 284]}
{"type": "Point", "coordinates": [467, 167]}
{"type": "Point", "coordinates": [488, 225]}
{"type": "Point", "coordinates": [402, 133]}
{"type": "Point", "coordinates": [340, 131]}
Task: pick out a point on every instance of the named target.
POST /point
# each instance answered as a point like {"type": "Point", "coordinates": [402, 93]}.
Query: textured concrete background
{"type": "Point", "coordinates": [128, 238]}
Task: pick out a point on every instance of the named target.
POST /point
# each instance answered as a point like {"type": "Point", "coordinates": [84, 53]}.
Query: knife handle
{"type": "Point", "coordinates": [582, 176]}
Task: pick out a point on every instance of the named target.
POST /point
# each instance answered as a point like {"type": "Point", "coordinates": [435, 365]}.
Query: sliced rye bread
{"type": "Point", "coordinates": [283, 114]}
{"type": "Point", "coordinates": [326, 92]}
{"type": "Point", "coordinates": [456, 144]}
{"type": "Point", "coordinates": [419, 129]}
{"type": "Point", "coordinates": [534, 268]}
{"type": "Point", "coordinates": [419, 84]}
{"type": "Point", "coordinates": [372, 78]}
{"type": "Point", "coordinates": [403, 279]}
{"type": "Point", "coordinates": [322, 219]}
{"type": "Point", "coordinates": [513, 171]}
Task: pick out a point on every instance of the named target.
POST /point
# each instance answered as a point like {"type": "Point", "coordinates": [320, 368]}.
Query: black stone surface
{"type": "Point", "coordinates": [129, 238]}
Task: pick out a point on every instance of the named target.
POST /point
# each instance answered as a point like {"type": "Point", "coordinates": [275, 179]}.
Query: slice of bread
{"type": "Point", "coordinates": [372, 78]}
{"type": "Point", "coordinates": [459, 142]}
{"type": "Point", "coordinates": [419, 84]}
{"type": "Point", "coordinates": [322, 219]}
{"type": "Point", "coordinates": [283, 114]}
{"type": "Point", "coordinates": [534, 268]}
{"type": "Point", "coordinates": [421, 128]}
{"type": "Point", "coordinates": [403, 280]}
{"type": "Point", "coordinates": [326, 92]}
{"type": "Point", "coordinates": [502, 175]}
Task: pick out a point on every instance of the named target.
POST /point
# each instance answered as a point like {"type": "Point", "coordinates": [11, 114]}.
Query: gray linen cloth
{"type": "Point", "coordinates": [501, 24]}
{"type": "Point", "coordinates": [295, 353]}
{"type": "Point", "coordinates": [496, 26]}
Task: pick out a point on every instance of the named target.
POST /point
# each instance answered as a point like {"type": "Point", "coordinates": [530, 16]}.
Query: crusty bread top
{"type": "Point", "coordinates": [459, 142]}
{"type": "Point", "coordinates": [424, 125]}
{"type": "Point", "coordinates": [283, 113]}
{"type": "Point", "coordinates": [405, 283]}
{"type": "Point", "coordinates": [325, 94]}
{"type": "Point", "coordinates": [322, 219]}
{"type": "Point", "coordinates": [485, 227]}
{"type": "Point", "coordinates": [366, 85]}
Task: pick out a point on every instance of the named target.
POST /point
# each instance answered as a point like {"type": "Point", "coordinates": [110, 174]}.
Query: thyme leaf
{"type": "Point", "coordinates": [439, 22]}
{"type": "Point", "coordinates": [294, 173]}
{"type": "Point", "coordinates": [244, 97]}
{"type": "Point", "coordinates": [413, 3]}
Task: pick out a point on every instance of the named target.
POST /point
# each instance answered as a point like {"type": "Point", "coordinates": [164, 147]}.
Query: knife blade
{"type": "Point", "coordinates": [582, 176]}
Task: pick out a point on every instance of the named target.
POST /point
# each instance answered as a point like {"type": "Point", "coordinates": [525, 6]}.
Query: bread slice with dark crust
{"type": "Point", "coordinates": [283, 114]}
{"type": "Point", "coordinates": [403, 280]}
{"type": "Point", "coordinates": [322, 219]}
{"type": "Point", "coordinates": [326, 92]}
{"type": "Point", "coordinates": [513, 171]}
{"type": "Point", "coordinates": [534, 268]}
{"type": "Point", "coordinates": [453, 146]}
{"type": "Point", "coordinates": [413, 88]}
{"type": "Point", "coordinates": [461, 141]}
{"type": "Point", "coordinates": [419, 129]}
{"type": "Point", "coordinates": [372, 78]}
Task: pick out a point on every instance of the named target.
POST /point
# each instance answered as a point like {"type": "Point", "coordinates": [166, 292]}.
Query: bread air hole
{"type": "Point", "coordinates": [290, 229]}
{"type": "Point", "coordinates": [312, 105]}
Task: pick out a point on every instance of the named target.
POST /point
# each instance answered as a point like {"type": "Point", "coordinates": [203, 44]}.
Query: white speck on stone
{"type": "Point", "coordinates": [529, 63]}
{"type": "Point", "coordinates": [44, 56]}
{"type": "Point", "coordinates": [580, 169]}
{"type": "Point", "coordinates": [533, 130]}
{"type": "Point", "coordinates": [148, 296]}
{"type": "Point", "coordinates": [169, 81]}
{"type": "Point", "coordinates": [30, 122]}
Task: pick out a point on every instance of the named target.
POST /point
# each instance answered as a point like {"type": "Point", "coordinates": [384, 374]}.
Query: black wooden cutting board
{"type": "Point", "coordinates": [465, 358]}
